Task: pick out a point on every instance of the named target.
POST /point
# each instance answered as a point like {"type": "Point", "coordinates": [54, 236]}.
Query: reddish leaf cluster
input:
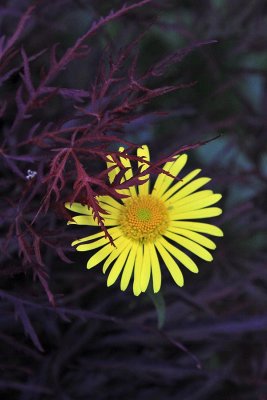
{"type": "Point", "coordinates": [67, 151]}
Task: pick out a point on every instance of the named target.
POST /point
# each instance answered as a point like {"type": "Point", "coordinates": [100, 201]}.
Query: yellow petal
{"type": "Point", "coordinates": [87, 220]}
{"type": "Point", "coordinates": [88, 238]}
{"type": "Point", "coordinates": [105, 251]}
{"type": "Point", "coordinates": [87, 217]}
{"type": "Point", "coordinates": [128, 174]}
{"type": "Point", "coordinates": [143, 152]}
{"type": "Point", "coordinates": [198, 227]}
{"type": "Point", "coordinates": [198, 214]}
{"type": "Point", "coordinates": [180, 184]}
{"type": "Point", "coordinates": [161, 178]}
{"type": "Point", "coordinates": [170, 264]}
{"type": "Point", "coordinates": [155, 267]}
{"type": "Point", "coordinates": [129, 266]}
{"type": "Point", "coordinates": [118, 266]}
{"type": "Point", "coordinates": [173, 168]}
{"type": "Point", "coordinates": [179, 255]}
{"type": "Point", "coordinates": [146, 269]}
{"type": "Point", "coordinates": [190, 245]}
{"type": "Point", "coordinates": [190, 188]}
{"type": "Point", "coordinates": [120, 244]}
{"type": "Point", "coordinates": [202, 194]}
{"type": "Point", "coordinates": [83, 220]}
{"type": "Point", "coordinates": [98, 243]}
{"type": "Point", "coordinates": [111, 231]}
{"type": "Point", "coordinates": [137, 271]}
{"type": "Point", "coordinates": [200, 204]}
{"type": "Point", "coordinates": [110, 201]}
{"type": "Point", "coordinates": [196, 237]}
{"type": "Point", "coordinates": [99, 256]}
{"type": "Point", "coordinates": [114, 171]}
{"type": "Point", "coordinates": [79, 208]}
{"type": "Point", "coordinates": [113, 213]}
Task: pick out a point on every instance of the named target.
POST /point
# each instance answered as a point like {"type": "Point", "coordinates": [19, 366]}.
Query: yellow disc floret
{"type": "Point", "coordinates": [144, 218]}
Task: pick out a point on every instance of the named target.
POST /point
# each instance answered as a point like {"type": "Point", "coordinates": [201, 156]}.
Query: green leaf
{"type": "Point", "coordinates": [159, 303]}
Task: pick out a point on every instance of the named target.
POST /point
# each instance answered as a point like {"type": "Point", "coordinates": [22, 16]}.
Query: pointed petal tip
{"type": "Point", "coordinates": [91, 263]}
{"type": "Point", "coordinates": [185, 156]}
{"type": "Point", "coordinates": [218, 231]}
{"type": "Point", "coordinates": [143, 151]}
{"type": "Point", "coordinates": [81, 248]}
{"type": "Point", "coordinates": [137, 291]}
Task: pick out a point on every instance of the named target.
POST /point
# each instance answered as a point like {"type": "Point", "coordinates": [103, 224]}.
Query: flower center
{"type": "Point", "coordinates": [144, 218]}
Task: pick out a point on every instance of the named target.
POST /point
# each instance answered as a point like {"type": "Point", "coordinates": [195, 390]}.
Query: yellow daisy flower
{"type": "Point", "coordinates": [151, 223]}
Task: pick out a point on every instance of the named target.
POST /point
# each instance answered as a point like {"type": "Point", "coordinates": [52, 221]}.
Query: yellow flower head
{"type": "Point", "coordinates": [149, 224]}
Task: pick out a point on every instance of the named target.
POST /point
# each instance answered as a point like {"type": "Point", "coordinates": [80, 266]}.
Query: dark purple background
{"type": "Point", "coordinates": [169, 74]}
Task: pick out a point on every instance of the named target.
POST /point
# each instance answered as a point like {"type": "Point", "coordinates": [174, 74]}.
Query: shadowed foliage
{"type": "Point", "coordinates": [77, 80]}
